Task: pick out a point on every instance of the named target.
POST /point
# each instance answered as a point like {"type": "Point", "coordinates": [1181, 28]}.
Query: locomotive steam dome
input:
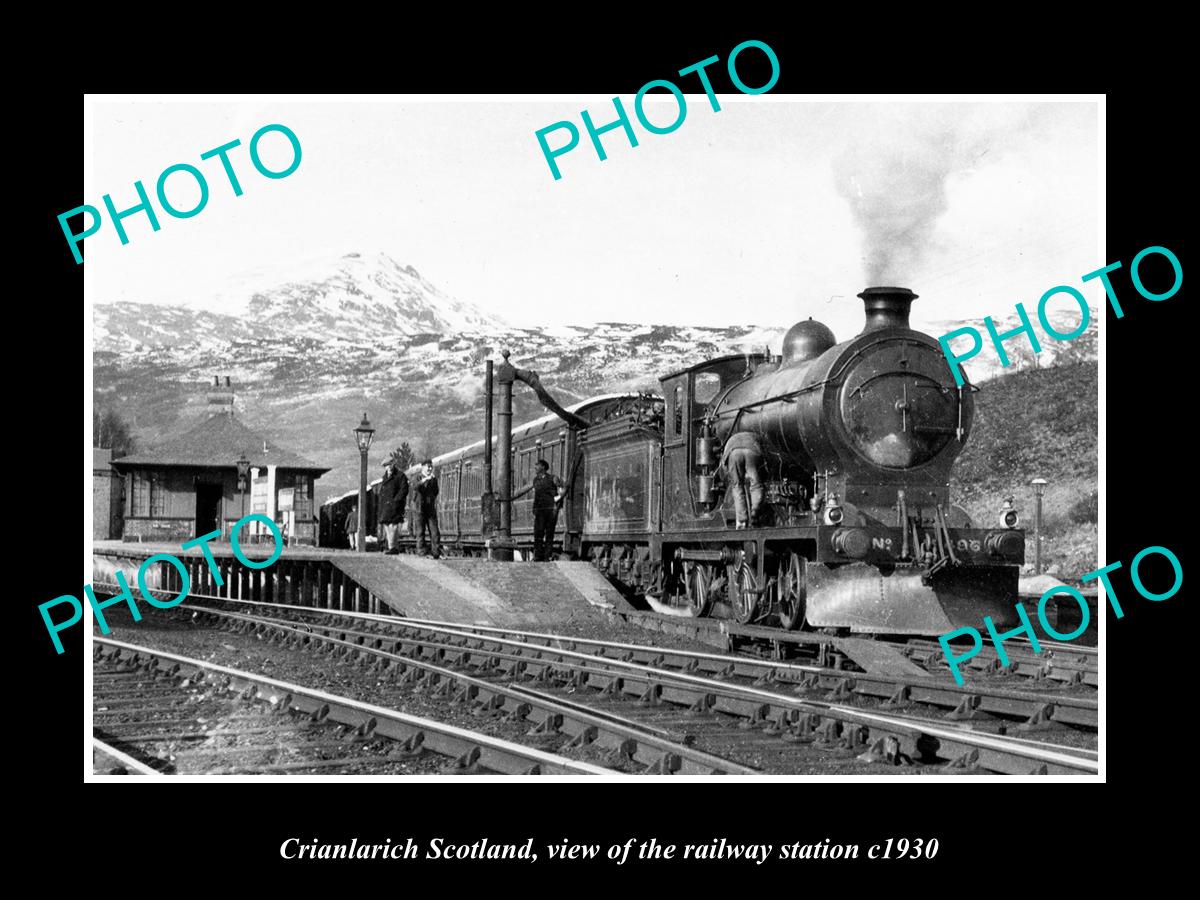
{"type": "Point", "coordinates": [806, 340]}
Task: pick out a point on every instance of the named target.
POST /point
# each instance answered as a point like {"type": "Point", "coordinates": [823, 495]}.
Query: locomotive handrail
{"type": "Point", "coordinates": [724, 395]}
{"type": "Point", "coordinates": [778, 398]}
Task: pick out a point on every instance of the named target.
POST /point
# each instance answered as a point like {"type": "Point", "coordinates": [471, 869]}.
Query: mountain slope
{"type": "Point", "coordinates": [1037, 424]}
{"type": "Point", "coordinates": [365, 298]}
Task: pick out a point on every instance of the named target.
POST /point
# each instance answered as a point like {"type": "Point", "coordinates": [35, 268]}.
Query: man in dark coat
{"type": "Point", "coordinates": [426, 490]}
{"type": "Point", "coordinates": [547, 494]}
{"type": "Point", "coordinates": [742, 458]}
{"type": "Point", "coordinates": [393, 494]}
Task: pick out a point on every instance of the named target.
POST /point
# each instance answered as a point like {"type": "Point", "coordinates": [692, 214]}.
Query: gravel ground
{"type": "Point", "coordinates": [241, 735]}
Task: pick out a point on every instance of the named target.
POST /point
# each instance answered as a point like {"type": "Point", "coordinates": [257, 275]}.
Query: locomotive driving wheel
{"type": "Point", "coordinates": [792, 590]}
{"type": "Point", "coordinates": [696, 582]}
{"type": "Point", "coordinates": [743, 591]}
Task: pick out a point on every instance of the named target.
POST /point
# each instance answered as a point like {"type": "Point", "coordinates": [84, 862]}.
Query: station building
{"type": "Point", "coordinates": [190, 485]}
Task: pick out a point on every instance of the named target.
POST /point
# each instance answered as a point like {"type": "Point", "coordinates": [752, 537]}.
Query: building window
{"type": "Point", "coordinates": [139, 495]}
{"type": "Point", "coordinates": [158, 497]}
{"type": "Point", "coordinates": [258, 493]}
{"type": "Point", "coordinates": [147, 496]}
{"type": "Point", "coordinates": [301, 500]}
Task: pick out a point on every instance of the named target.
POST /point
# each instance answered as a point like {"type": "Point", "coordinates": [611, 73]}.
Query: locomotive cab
{"type": "Point", "coordinates": [690, 450]}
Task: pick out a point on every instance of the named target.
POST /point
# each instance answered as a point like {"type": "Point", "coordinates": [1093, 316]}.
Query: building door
{"type": "Point", "coordinates": [208, 506]}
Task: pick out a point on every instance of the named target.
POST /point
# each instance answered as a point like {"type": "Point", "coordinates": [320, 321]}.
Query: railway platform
{"type": "Point", "coordinates": [469, 591]}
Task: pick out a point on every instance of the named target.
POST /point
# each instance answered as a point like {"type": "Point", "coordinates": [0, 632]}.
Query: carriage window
{"type": "Point", "coordinates": [708, 385]}
{"type": "Point", "coordinates": [678, 409]}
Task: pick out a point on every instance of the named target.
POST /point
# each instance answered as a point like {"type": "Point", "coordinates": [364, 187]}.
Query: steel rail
{"type": "Point", "coordinates": [1081, 650]}
{"type": "Point", "coordinates": [486, 752]}
{"type": "Point", "coordinates": [653, 747]}
{"type": "Point", "coordinates": [131, 765]}
{"type": "Point", "coordinates": [1056, 662]}
{"type": "Point", "coordinates": [1049, 667]}
{"type": "Point", "coordinates": [1023, 661]}
{"type": "Point", "coordinates": [707, 695]}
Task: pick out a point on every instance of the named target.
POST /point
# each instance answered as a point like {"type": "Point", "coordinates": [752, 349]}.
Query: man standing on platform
{"type": "Point", "coordinates": [547, 494]}
{"type": "Point", "coordinates": [426, 510]}
{"type": "Point", "coordinates": [351, 527]}
{"type": "Point", "coordinates": [393, 493]}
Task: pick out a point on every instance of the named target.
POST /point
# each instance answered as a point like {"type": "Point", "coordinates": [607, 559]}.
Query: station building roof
{"type": "Point", "coordinates": [217, 443]}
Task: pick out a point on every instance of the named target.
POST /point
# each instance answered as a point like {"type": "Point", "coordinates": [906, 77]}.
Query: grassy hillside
{"type": "Point", "coordinates": [1037, 423]}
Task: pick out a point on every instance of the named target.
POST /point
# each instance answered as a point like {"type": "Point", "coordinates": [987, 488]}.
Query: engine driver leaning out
{"type": "Point", "coordinates": [742, 461]}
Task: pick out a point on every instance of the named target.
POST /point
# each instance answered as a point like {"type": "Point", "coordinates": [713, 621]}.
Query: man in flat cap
{"type": "Point", "coordinates": [426, 490]}
{"type": "Point", "coordinates": [393, 494]}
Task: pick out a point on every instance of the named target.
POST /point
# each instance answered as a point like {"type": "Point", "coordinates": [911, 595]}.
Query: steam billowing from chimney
{"type": "Point", "coordinates": [895, 176]}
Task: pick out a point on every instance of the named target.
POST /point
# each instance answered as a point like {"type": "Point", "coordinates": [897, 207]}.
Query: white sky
{"type": "Point", "coordinates": [732, 219]}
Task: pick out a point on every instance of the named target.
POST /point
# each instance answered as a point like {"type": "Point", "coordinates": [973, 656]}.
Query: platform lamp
{"type": "Point", "coordinates": [363, 434]}
{"type": "Point", "coordinates": [243, 473]}
{"type": "Point", "coordinates": [1039, 488]}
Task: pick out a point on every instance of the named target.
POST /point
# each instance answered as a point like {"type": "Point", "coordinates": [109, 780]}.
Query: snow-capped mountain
{"type": "Point", "coordinates": [355, 296]}
{"type": "Point", "coordinates": [365, 297]}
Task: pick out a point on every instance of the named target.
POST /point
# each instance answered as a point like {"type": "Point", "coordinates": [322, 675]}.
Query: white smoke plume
{"type": "Point", "coordinates": [894, 174]}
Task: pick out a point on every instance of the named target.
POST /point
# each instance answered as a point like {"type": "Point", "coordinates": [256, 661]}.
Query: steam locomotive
{"type": "Point", "coordinates": [856, 531]}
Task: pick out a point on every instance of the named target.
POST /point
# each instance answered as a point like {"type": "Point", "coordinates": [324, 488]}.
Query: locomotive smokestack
{"type": "Point", "coordinates": [886, 307]}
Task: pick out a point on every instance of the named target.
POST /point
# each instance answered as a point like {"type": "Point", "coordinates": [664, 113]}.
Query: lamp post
{"type": "Point", "coordinates": [243, 472]}
{"type": "Point", "coordinates": [363, 434]}
{"type": "Point", "coordinates": [1039, 487]}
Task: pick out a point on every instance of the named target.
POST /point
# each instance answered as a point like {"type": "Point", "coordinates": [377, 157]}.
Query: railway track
{"type": "Point", "coordinates": [156, 712]}
{"type": "Point", "coordinates": [108, 760]}
{"type": "Point", "coordinates": [1066, 663]}
{"type": "Point", "coordinates": [685, 692]}
{"type": "Point", "coordinates": [963, 701]}
{"type": "Point", "coordinates": [973, 701]}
